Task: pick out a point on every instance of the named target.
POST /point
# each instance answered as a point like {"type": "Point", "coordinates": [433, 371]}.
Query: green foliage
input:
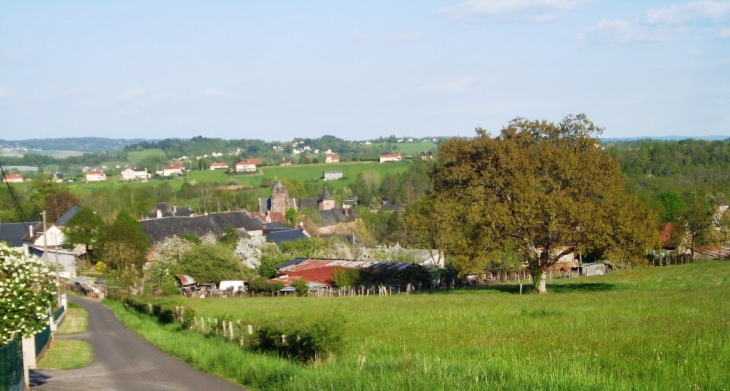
{"type": "Point", "coordinates": [211, 263]}
{"type": "Point", "coordinates": [87, 229]}
{"type": "Point", "coordinates": [344, 277]}
{"type": "Point", "coordinates": [125, 248]}
{"type": "Point", "coordinates": [191, 238]}
{"type": "Point", "coordinates": [229, 238]}
{"type": "Point", "coordinates": [301, 339]}
{"type": "Point", "coordinates": [100, 266]}
{"type": "Point", "coordinates": [672, 206]}
{"type": "Point", "coordinates": [301, 287]}
{"type": "Point", "coordinates": [262, 285]}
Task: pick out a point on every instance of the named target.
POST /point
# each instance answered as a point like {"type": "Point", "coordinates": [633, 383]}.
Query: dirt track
{"type": "Point", "coordinates": [124, 362]}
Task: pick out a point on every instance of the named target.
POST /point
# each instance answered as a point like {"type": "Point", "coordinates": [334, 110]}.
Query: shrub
{"type": "Point", "coordinates": [301, 287]}
{"type": "Point", "coordinates": [302, 340]}
{"type": "Point", "coordinates": [100, 266]}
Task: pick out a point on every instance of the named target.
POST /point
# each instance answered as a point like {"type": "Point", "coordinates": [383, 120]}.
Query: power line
{"type": "Point", "coordinates": [13, 197]}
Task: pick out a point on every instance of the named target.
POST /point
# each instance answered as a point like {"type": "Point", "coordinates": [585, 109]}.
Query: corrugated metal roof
{"type": "Point", "coordinates": [185, 279]}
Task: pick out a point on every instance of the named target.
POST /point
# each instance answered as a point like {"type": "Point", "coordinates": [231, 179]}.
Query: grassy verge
{"type": "Point", "coordinates": [66, 353]}
{"type": "Point", "coordinates": [76, 321]}
{"type": "Point", "coordinates": [651, 329]}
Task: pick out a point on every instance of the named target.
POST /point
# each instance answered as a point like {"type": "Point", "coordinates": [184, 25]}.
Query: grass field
{"type": "Point", "coordinates": [650, 329]}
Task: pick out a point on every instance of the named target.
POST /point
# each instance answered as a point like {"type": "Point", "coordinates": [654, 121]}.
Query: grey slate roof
{"type": "Point", "coordinates": [13, 233]}
{"type": "Point", "coordinates": [63, 220]}
{"type": "Point", "coordinates": [308, 203]}
{"type": "Point", "coordinates": [167, 211]}
{"type": "Point", "coordinates": [333, 217]}
{"type": "Point", "coordinates": [285, 236]}
{"type": "Point", "coordinates": [216, 223]}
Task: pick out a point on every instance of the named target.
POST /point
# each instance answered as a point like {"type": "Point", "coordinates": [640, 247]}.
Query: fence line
{"type": "Point", "coordinates": [11, 367]}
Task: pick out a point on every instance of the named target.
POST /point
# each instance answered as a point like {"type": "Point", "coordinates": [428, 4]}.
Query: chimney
{"type": "Point", "coordinates": [347, 211]}
{"type": "Point", "coordinates": [159, 213]}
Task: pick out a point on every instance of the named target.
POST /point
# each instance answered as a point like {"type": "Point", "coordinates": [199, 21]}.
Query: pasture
{"type": "Point", "coordinates": [646, 329]}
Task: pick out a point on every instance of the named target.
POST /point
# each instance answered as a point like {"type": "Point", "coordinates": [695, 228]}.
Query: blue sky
{"type": "Point", "coordinates": [275, 70]}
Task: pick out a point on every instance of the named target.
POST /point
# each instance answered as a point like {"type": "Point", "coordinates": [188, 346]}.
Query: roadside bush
{"type": "Point", "coordinates": [302, 340]}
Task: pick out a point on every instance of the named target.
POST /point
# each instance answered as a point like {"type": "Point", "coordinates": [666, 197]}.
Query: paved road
{"type": "Point", "coordinates": [124, 362]}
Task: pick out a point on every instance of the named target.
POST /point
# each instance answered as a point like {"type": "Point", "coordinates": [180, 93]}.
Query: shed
{"type": "Point", "coordinates": [590, 269]}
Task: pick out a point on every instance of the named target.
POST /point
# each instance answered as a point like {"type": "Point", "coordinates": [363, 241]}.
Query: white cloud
{"type": "Point", "coordinates": [211, 91]}
{"type": "Point", "coordinates": [4, 92]}
{"type": "Point", "coordinates": [406, 37]}
{"type": "Point", "coordinates": [525, 10]}
{"type": "Point", "coordinates": [724, 33]}
{"type": "Point", "coordinates": [683, 13]}
{"type": "Point", "coordinates": [133, 92]}
{"type": "Point", "coordinates": [624, 31]}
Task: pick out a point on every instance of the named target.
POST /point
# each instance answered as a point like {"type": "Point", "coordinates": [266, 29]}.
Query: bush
{"type": "Point", "coordinates": [301, 287]}
{"type": "Point", "coordinates": [100, 266]}
{"type": "Point", "coordinates": [304, 341]}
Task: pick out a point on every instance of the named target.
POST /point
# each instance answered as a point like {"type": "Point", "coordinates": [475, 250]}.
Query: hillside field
{"type": "Point", "coordinates": [301, 173]}
{"type": "Point", "coordinates": [645, 329]}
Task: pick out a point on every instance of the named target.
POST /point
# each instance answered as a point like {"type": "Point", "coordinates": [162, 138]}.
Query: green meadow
{"type": "Point", "coordinates": [643, 329]}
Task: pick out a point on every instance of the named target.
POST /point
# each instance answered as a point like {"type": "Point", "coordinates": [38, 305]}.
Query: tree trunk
{"type": "Point", "coordinates": [539, 280]}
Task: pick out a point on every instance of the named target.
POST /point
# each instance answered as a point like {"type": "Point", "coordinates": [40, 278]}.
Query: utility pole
{"type": "Point", "coordinates": [45, 240]}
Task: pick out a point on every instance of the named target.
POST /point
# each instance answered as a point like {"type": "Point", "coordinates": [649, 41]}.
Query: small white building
{"type": "Point", "coordinates": [331, 158]}
{"type": "Point", "coordinates": [14, 178]}
{"type": "Point", "coordinates": [218, 166]}
{"type": "Point", "coordinates": [129, 174]}
{"type": "Point", "coordinates": [172, 169]}
{"type": "Point", "coordinates": [331, 175]}
{"type": "Point", "coordinates": [95, 176]}
{"type": "Point", "coordinates": [392, 157]}
{"type": "Point", "coordinates": [247, 166]}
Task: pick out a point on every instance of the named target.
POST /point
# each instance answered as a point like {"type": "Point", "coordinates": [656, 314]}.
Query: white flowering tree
{"type": "Point", "coordinates": [249, 251]}
{"type": "Point", "coordinates": [26, 293]}
{"type": "Point", "coordinates": [170, 249]}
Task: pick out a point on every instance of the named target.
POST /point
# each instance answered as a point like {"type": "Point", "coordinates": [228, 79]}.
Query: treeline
{"type": "Point", "coordinates": [657, 166]}
{"type": "Point", "coordinates": [81, 144]}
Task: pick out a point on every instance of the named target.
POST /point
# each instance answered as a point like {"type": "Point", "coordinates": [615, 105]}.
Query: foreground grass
{"type": "Point", "coordinates": [76, 320]}
{"type": "Point", "coordinates": [652, 329]}
{"type": "Point", "coordinates": [67, 353]}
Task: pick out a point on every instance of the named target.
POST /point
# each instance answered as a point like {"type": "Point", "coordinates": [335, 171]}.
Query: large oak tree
{"type": "Point", "coordinates": [545, 189]}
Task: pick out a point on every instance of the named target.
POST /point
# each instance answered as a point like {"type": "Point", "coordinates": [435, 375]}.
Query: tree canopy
{"type": "Point", "coordinates": [544, 189]}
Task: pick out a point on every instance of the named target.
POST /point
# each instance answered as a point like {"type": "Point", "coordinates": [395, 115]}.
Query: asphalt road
{"type": "Point", "coordinates": [124, 362]}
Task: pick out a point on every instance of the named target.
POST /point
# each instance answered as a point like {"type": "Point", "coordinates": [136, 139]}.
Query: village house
{"type": "Point", "coordinates": [248, 165]}
{"type": "Point", "coordinates": [159, 229]}
{"type": "Point", "coordinates": [47, 245]}
{"type": "Point", "coordinates": [129, 174]}
{"type": "Point", "coordinates": [13, 178]}
{"type": "Point", "coordinates": [392, 157]}
{"type": "Point", "coordinates": [285, 161]}
{"type": "Point", "coordinates": [175, 168]}
{"type": "Point", "coordinates": [95, 176]}
{"type": "Point", "coordinates": [218, 166]}
{"type": "Point", "coordinates": [331, 158]}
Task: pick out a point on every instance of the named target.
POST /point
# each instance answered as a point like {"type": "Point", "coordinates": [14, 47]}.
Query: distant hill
{"type": "Point", "coordinates": [666, 138]}
{"type": "Point", "coordinates": [81, 144]}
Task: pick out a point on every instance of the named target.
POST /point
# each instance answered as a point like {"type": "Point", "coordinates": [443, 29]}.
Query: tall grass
{"type": "Point", "coordinates": [656, 329]}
